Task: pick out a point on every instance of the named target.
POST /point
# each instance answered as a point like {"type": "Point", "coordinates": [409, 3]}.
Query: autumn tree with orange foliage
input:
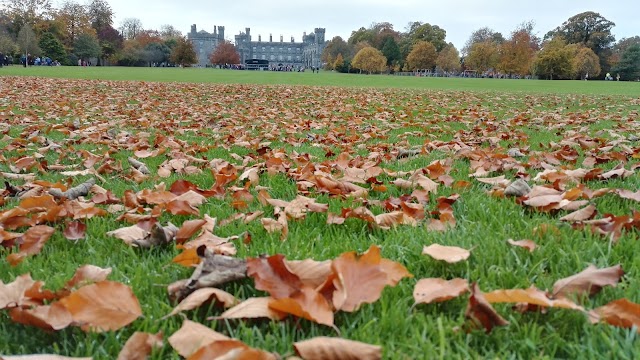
{"type": "Point", "coordinates": [517, 53]}
{"type": "Point", "coordinates": [225, 53]}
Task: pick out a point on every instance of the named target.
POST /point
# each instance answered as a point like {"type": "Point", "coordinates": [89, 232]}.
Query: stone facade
{"type": "Point", "coordinates": [306, 53]}
{"type": "Point", "coordinates": [205, 43]}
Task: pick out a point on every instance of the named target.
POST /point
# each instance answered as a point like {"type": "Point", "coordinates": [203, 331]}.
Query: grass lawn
{"type": "Point", "coordinates": [284, 123]}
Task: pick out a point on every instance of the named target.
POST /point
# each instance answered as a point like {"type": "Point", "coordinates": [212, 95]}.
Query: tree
{"type": "Point", "coordinates": [449, 59]}
{"type": "Point", "coordinates": [338, 65]}
{"type": "Point", "coordinates": [423, 55]}
{"type": "Point", "coordinates": [27, 41]}
{"type": "Point", "coordinates": [76, 20]}
{"type": "Point", "coordinates": [169, 32]}
{"type": "Point", "coordinates": [361, 35]}
{"type": "Point", "coordinates": [483, 56]}
{"type": "Point", "coordinates": [370, 59]}
{"type": "Point", "coordinates": [337, 46]}
{"type": "Point", "coordinates": [517, 53]}
{"type": "Point", "coordinates": [588, 28]}
{"type": "Point", "coordinates": [7, 45]}
{"type": "Point", "coordinates": [554, 60]}
{"type": "Point", "coordinates": [130, 28]}
{"type": "Point", "coordinates": [482, 35]}
{"type": "Point", "coordinates": [225, 53]}
{"type": "Point", "coordinates": [110, 41]}
{"type": "Point", "coordinates": [391, 51]}
{"type": "Point", "coordinates": [418, 31]}
{"type": "Point", "coordinates": [584, 61]}
{"type": "Point", "coordinates": [157, 53]}
{"type": "Point", "coordinates": [183, 53]}
{"type": "Point", "coordinates": [52, 47]}
{"type": "Point", "coordinates": [629, 65]}
{"type": "Point", "coordinates": [87, 47]}
{"type": "Point", "coordinates": [100, 14]}
{"type": "Point", "coordinates": [25, 12]}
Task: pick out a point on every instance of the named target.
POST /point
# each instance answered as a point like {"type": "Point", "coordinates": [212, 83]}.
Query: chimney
{"type": "Point", "coordinates": [281, 38]}
{"type": "Point", "coordinates": [292, 40]}
{"type": "Point", "coordinates": [259, 38]}
{"type": "Point", "coordinates": [215, 31]}
{"type": "Point", "coordinates": [193, 29]}
{"type": "Point", "coordinates": [270, 37]}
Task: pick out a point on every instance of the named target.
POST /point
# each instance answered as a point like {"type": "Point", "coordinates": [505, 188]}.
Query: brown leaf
{"type": "Point", "coordinates": [253, 308]}
{"type": "Point", "coordinates": [129, 234]}
{"type": "Point", "coordinates": [103, 306]}
{"type": "Point", "coordinates": [431, 290]}
{"type": "Point", "coordinates": [357, 280]}
{"type": "Point", "coordinates": [47, 317]}
{"type": "Point", "coordinates": [531, 296]}
{"type": "Point", "coordinates": [230, 349]}
{"type": "Point", "coordinates": [41, 357]}
{"type": "Point", "coordinates": [326, 348]}
{"type": "Point", "coordinates": [87, 274]}
{"type": "Point", "coordinates": [193, 336]}
{"type": "Point", "coordinates": [272, 275]}
{"type": "Point", "coordinates": [450, 254]}
{"type": "Point", "coordinates": [306, 303]}
{"type": "Point", "coordinates": [310, 272]}
{"type": "Point", "coordinates": [621, 313]}
{"type": "Point", "coordinates": [627, 194]}
{"type": "Point", "coordinates": [527, 244]}
{"type": "Point", "coordinates": [14, 293]}
{"type": "Point", "coordinates": [188, 258]}
{"type": "Point", "coordinates": [588, 282]}
{"type": "Point", "coordinates": [75, 230]}
{"type": "Point", "coordinates": [213, 271]}
{"type": "Point", "coordinates": [200, 296]}
{"type": "Point", "coordinates": [32, 242]}
{"type": "Point", "coordinates": [580, 215]}
{"type": "Point", "coordinates": [140, 345]}
{"type": "Point", "coordinates": [480, 311]}
{"type": "Point", "coordinates": [188, 229]}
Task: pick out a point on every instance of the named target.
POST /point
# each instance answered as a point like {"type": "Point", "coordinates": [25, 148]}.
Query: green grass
{"type": "Point", "coordinates": [406, 112]}
{"type": "Point", "coordinates": [199, 75]}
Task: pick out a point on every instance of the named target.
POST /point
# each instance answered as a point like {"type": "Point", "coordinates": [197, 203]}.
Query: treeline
{"type": "Point", "coordinates": [581, 47]}
{"type": "Point", "coordinates": [75, 31]}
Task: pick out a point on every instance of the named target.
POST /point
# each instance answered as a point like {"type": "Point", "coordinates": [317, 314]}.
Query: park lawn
{"type": "Point", "coordinates": [325, 78]}
{"type": "Point", "coordinates": [363, 116]}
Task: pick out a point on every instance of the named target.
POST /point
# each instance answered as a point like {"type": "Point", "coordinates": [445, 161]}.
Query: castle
{"type": "Point", "coordinates": [306, 53]}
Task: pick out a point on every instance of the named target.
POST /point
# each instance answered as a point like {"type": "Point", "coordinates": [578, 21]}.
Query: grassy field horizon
{"type": "Point", "coordinates": [348, 161]}
{"type": "Point", "coordinates": [325, 78]}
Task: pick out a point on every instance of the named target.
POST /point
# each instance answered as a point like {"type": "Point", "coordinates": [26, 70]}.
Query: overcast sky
{"type": "Point", "coordinates": [291, 18]}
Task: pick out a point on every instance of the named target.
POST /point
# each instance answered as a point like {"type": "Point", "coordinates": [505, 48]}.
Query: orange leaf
{"type": "Point", "coordinates": [140, 345]}
{"type": "Point", "coordinates": [42, 357]}
{"type": "Point", "coordinates": [33, 241]}
{"type": "Point", "coordinates": [230, 349]}
{"type": "Point", "coordinates": [48, 317]}
{"type": "Point", "coordinates": [308, 304]}
{"type": "Point", "coordinates": [192, 336]}
{"type": "Point", "coordinates": [431, 290]}
{"type": "Point", "coordinates": [450, 254]}
{"type": "Point", "coordinates": [13, 293]}
{"type": "Point", "coordinates": [87, 274]}
{"type": "Point", "coordinates": [531, 296]}
{"type": "Point", "coordinates": [272, 275]}
{"type": "Point", "coordinates": [621, 313]}
{"type": "Point", "coordinates": [188, 258]}
{"type": "Point", "coordinates": [358, 279]}
{"type": "Point", "coordinates": [189, 228]}
{"type": "Point", "coordinates": [326, 348]}
{"type": "Point", "coordinates": [310, 272]}
{"type": "Point", "coordinates": [103, 306]}
{"type": "Point", "coordinates": [580, 215]}
{"type": "Point", "coordinates": [181, 207]}
{"type": "Point", "coordinates": [252, 308]}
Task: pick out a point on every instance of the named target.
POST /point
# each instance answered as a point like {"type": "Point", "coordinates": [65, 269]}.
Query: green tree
{"type": "Point", "coordinates": [418, 31]}
{"type": "Point", "coordinates": [482, 35]}
{"type": "Point", "coordinates": [100, 14]}
{"type": "Point", "coordinates": [483, 56]}
{"type": "Point", "coordinates": [449, 59]}
{"type": "Point", "coordinates": [423, 55]}
{"type": "Point", "coordinates": [391, 51]}
{"type": "Point", "coordinates": [555, 60]}
{"type": "Point", "coordinates": [370, 59]}
{"type": "Point", "coordinates": [26, 12]}
{"type": "Point", "coordinates": [584, 61]}
{"type": "Point", "coordinates": [52, 47]}
{"type": "Point", "coordinates": [7, 45]}
{"type": "Point", "coordinates": [629, 65]}
{"type": "Point", "coordinates": [337, 46]}
{"type": "Point", "coordinates": [87, 47]}
{"type": "Point", "coordinates": [183, 53]}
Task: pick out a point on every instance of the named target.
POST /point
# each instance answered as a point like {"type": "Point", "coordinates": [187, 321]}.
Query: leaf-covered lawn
{"type": "Point", "coordinates": [413, 223]}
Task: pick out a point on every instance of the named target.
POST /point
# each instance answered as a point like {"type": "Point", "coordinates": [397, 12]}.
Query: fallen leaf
{"type": "Point", "coordinates": [621, 313]}
{"type": "Point", "coordinates": [47, 317]}
{"type": "Point", "coordinates": [252, 308]}
{"type": "Point", "coordinates": [193, 336]}
{"type": "Point", "coordinates": [481, 312]}
{"type": "Point", "coordinates": [41, 357]}
{"type": "Point", "coordinates": [431, 290]}
{"type": "Point", "coordinates": [140, 345]}
{"type": "Point", "coordinates": [580, 215]}
{"type": "Point", "coordinates": [588, 282]}
{"type": "Point", "coordinates": [527, 244]}
{"type": "Point", "coordinates": [450, 254]}
{"type": "Point", "coordinates": [230, 349]}
{"type": "Point", "coordinates": [32, 242]}
{"type": "Point", "coordinates": [327, 348]}
{"type": "Point", "coordinates": [200, 296]}
{"type": "Point", "coordinates": [306, 303]}
{"type": "Point", "coordinates": [103, 306]}
{"type": "Point", "coordinates": [75, 230]}
{"type": "Point", "coordinates": [272, 275]}
{"type": "Point", "coordinates": [532, 296]}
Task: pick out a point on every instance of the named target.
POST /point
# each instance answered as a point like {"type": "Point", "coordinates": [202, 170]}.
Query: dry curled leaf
{"type": "Point", "coordinates": [450, 254]}
{"type": "Point", "coordinates": [527, 244]}
{"type": "Point", "coordinates": [480, 311]}
{"type": "Point", "coordinates": [621, 313]}
{"type": "Point", "coordinates": [431, 290]}
{"type": "Point", "coordinates": [588, 282]}
{"type": "Point", "coordinates": [201, 296]}
{"type": "Point", "coordinates": [327, 348]}
{"type": "Point", "coordinates": [140, 345]}
{"type": "Point", "coordinates": [193, 336]}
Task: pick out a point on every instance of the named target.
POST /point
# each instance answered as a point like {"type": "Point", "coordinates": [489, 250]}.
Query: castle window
{"type": "Point", "coordinates": [255, 48]}
{"type": "Point", "coordinates": [264, 48]}
{"type": "Point", "coordinates": [264, 57]}
{"type": "Point", "coordinates": [272, 57]}
{"type": "Point", "coordinates": [289, 58]}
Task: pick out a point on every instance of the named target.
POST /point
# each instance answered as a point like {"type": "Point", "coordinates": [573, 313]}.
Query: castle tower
{"type": "Point", "coordinates": [221, 33]}
{"type": "Point", "coordinates": [319, 35]}
{"type": "Point", "coordinates": [248, 32]}
{"type": "Point", "coordinates": [193, 29]}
